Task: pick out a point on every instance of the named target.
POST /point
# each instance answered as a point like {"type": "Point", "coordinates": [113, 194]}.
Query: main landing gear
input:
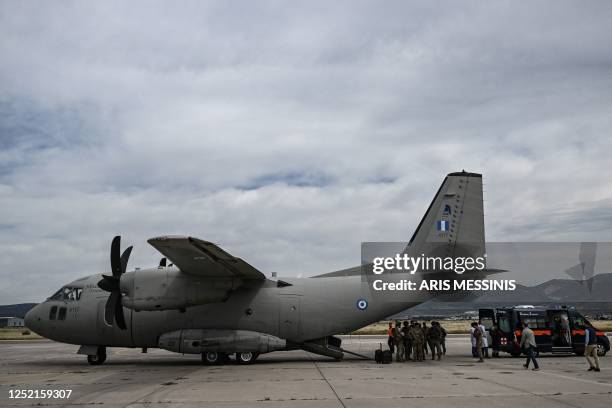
{"type": "Point", "coordinates": [216, 358]}
{"type": "Point", "coordinates": [99, 357]}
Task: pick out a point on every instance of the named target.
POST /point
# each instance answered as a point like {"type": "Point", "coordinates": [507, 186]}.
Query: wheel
{"type": "Point", "coordinates": [515, 354]}
{"type": "Point", "coordinates": [246, 357]}
{"type": "Point", "coordinates": [601, 350]}
{"type": "Point", "coordinates": [214, 357]}
{"type": "Point", "coordinates": [98, 358]}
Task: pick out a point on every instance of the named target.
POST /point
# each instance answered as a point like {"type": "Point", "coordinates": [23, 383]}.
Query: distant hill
{"type": "Point", "coordinates": [18, 310]}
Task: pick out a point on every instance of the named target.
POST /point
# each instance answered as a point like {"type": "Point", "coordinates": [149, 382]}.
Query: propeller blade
{"type": "Point", "coordinates": [119, 318]}
{"type": "Point", "coordinates": [124, 259]}
{"type": "Point", "coordinates": [109, 308]}
{"type": "Point", "coordinates": [115, 257]}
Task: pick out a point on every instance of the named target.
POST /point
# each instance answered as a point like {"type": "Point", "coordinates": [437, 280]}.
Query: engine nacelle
{"type": "Point", "coordinates": [196, 341]}
{"type": "Point", "coordinates": [169, 288]}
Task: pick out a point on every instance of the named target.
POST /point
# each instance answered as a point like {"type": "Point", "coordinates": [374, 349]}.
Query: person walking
{"type": "Point", "coordinates": [590, 346]}
{"type": "Point", "coordinates": [530, 346]}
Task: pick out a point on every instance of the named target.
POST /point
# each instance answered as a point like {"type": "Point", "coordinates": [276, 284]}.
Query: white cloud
{"type": "Point", "coordinates": [289, 133]}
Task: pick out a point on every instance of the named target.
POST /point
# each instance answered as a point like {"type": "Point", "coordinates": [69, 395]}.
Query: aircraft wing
{"type": "Point", "coordinates": [197, 257]}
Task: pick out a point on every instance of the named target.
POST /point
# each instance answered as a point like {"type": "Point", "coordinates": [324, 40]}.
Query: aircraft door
{"type": "Point", "coordinates": [289, 317]}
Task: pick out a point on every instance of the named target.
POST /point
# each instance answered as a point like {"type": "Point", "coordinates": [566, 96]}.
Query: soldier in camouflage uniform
{"type": "Point", "coordinates": [418, 339]}
{"type": "Point", "coordinates": [434, 338]}
{"type": "Point", "coordinates": [398, 340]}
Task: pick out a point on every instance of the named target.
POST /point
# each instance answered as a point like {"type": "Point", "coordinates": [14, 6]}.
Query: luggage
{"type": "Point", "coordinates": [383, 356]}
{"type": "Point", "coordinates": [378, 356]}
{"type": "Point", "coordinates": [387, 357]}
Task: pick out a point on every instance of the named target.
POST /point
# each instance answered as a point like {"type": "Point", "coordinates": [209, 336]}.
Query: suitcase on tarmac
{"type": "Point", "coordinates": [387, 357]}
{"type": "Point", "coordinates": [378, 356]}
{"type": "Point", "coordinates": [383, 356]}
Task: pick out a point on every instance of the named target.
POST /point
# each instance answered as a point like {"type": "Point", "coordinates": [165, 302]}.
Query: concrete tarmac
{"type": "Point", "coordinates": [298, 379]}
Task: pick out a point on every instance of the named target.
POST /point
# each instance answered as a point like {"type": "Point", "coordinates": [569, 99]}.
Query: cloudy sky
{"type": "Point", "coordinates": [290, 133]}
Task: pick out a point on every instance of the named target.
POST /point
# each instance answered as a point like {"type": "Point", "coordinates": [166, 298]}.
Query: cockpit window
{"type": "Point", "coordinates": [52, 313]}
{"type": "Point", "coordinates": [67, 293]}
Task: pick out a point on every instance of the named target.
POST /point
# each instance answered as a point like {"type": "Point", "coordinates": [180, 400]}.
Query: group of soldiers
{"type": "Point", "coordinates": [411, 341]}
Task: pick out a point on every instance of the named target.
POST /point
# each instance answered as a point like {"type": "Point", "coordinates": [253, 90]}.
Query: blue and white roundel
{"type": "Point", "coordinates": [362, 304]}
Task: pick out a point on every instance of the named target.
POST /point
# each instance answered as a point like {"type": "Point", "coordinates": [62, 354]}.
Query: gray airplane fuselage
{"type": "Point", "coordinates": [300, 310]}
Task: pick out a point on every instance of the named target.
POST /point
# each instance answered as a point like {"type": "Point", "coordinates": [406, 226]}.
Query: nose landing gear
{"type": "Point", "coordinates": [99, 357]}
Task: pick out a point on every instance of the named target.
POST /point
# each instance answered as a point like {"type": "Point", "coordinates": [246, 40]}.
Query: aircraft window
{"type": "Point", "coordinates": [62, 314]}
{"type": "Point", "coordinates": [52, 313]}
{"type": "Point", "coordinates": [67, 293]}
{"type": "Point", "coordinates": [57, 295]}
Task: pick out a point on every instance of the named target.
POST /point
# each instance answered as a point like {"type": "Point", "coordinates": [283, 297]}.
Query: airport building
{"type": "Point", "coordinates": [10, 321]}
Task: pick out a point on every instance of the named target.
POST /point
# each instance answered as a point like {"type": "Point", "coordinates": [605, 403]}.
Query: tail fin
{"type": "Point", "coordinates": [453, 225]}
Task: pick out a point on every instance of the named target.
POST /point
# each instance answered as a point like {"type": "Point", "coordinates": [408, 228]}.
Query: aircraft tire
{"type": "Point", "coordinates": [98, 358]}
{"type": "Point", "coordinates": [246, 358]}
{"type": "Point", "coordinates": [214, 358]}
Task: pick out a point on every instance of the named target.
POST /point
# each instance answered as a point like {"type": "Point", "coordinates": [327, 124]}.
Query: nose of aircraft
{"type": "Point", "coordinates": [32, 318]}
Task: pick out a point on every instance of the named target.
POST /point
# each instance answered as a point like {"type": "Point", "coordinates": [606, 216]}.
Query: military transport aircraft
{"type": "Point", "coordinates": [202, 300]}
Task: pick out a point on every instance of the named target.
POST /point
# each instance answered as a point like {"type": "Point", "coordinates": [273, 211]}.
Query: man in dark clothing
{"type": "Point", "coordinates": [496, 336]}
{"type": "Point", "coordinates": [590, 348]}
{"type": "Point", "coordinates": [407, 341]}
{"type": "Point", "coordinates": [443, 338]}
{"type": "Point", "coordinates": [434, 336]}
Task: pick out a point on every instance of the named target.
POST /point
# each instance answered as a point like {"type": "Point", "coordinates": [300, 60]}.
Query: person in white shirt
{"type": "Point", "coordinates": [485, 340]}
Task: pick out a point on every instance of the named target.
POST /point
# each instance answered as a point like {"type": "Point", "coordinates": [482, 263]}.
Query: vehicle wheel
{"type": "Point", "coordinates": [98, 358]}
{"type": "Point", "coordinates": [579, 352]}
{"type": "Point", "coordinates": [515, 354]}
{"type": "Point", "coordinates": [246, 357]}
{"type": "Point", "coordinates": [601, 350]}
{"type": "Point", "coordinates": [214, 357]}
